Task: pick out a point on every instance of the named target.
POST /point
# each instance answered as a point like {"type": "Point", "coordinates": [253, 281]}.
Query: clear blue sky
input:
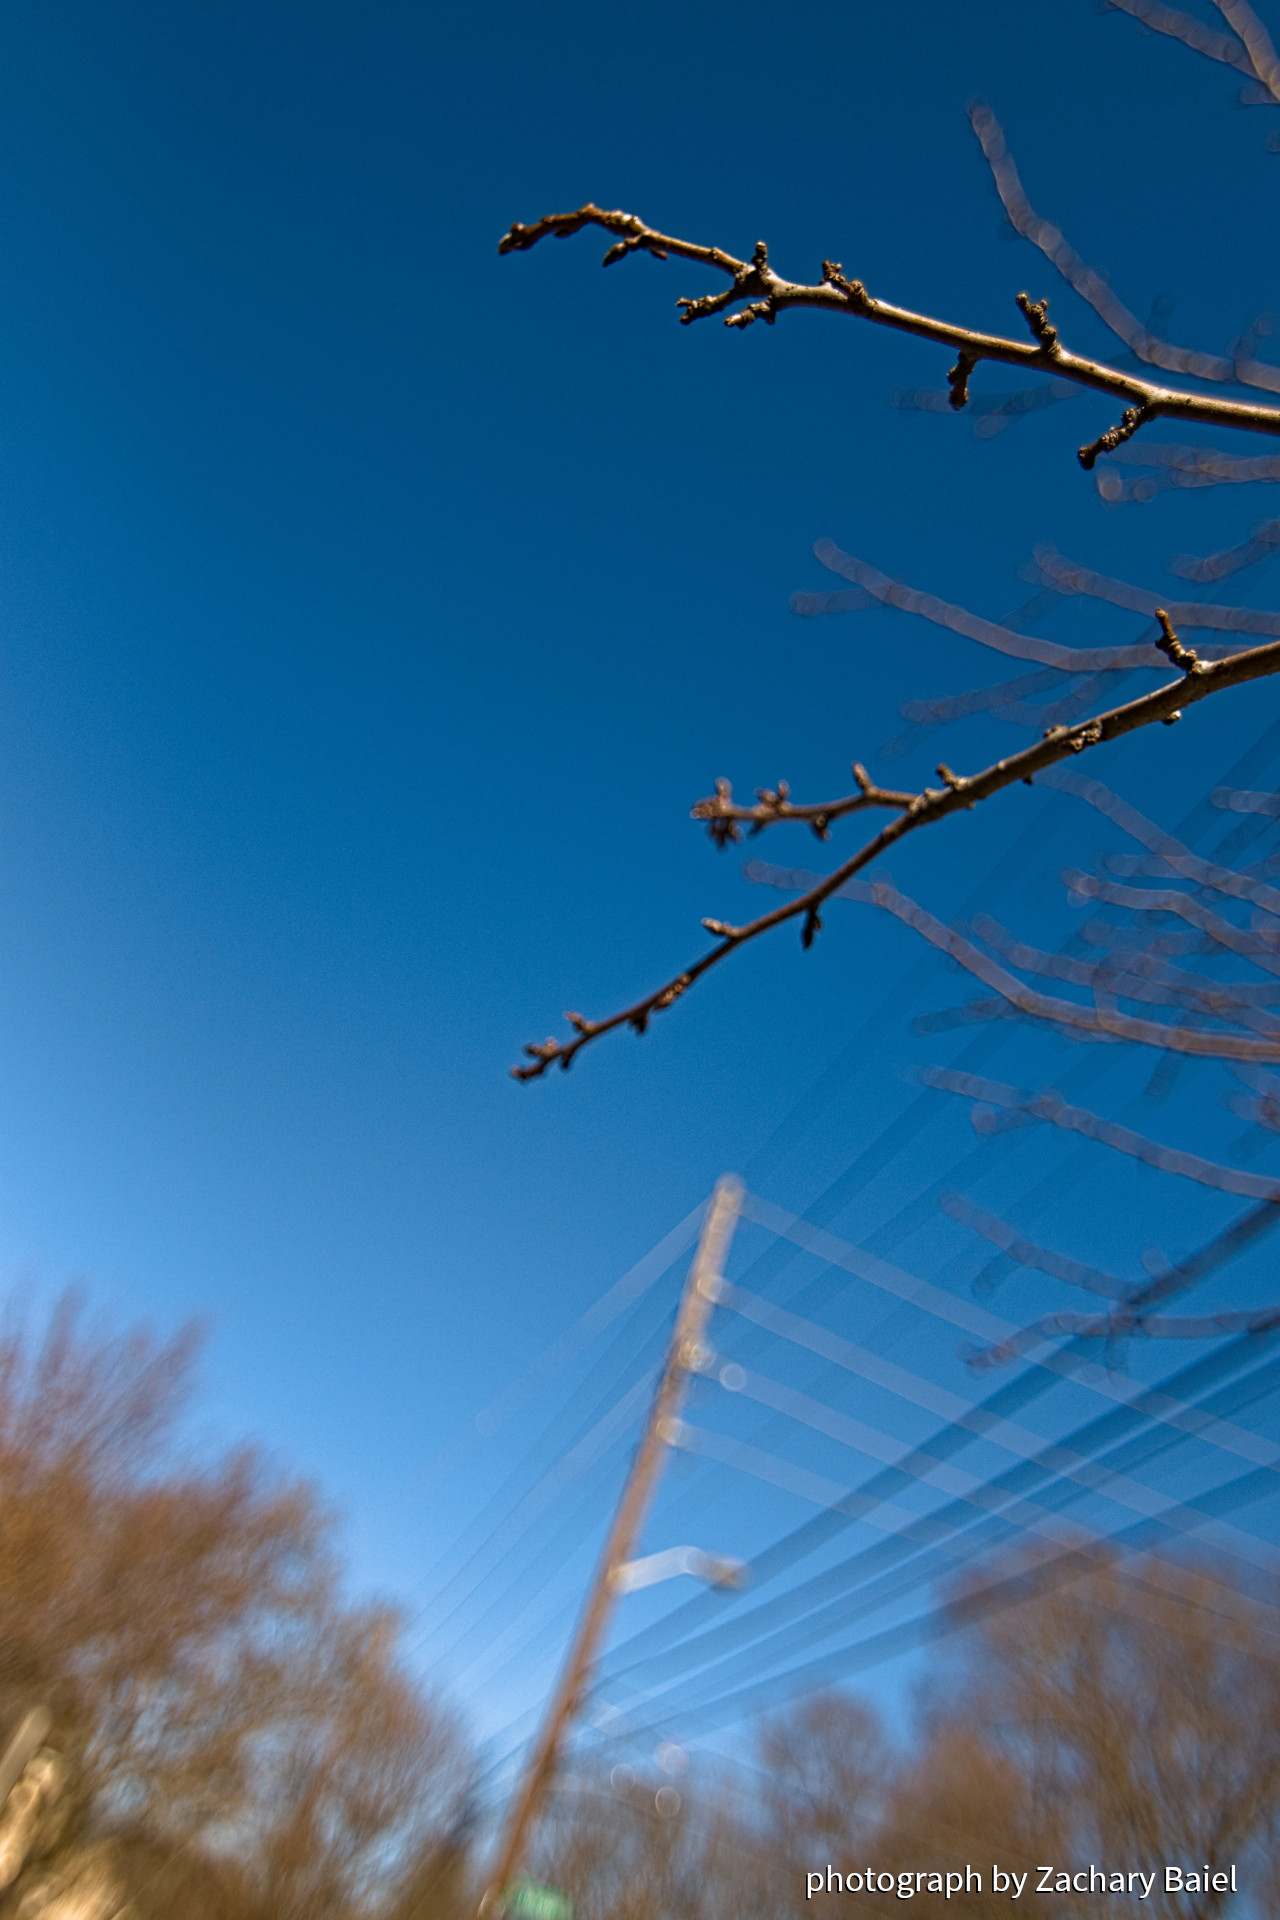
{"type": "Point", "coordinates": [373, 609]}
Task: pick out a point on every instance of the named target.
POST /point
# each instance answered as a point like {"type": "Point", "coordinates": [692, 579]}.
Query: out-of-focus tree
{"type": "Point", "coordinates": [631, 1846]}
{"type": "Point", "coordinates": [1141, 1705]}
{"type": "Point", "coordinates": [960, 1801]}
{"type": "Point", "coordinates": [221, 1715]}
{"type": "Point", "coordinates": [826, 1767]}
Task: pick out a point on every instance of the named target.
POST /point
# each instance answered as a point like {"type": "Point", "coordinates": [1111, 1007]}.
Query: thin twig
{"type": "Point", "coordinates": [725, 817]}
{"type": "Point", "coordinates": [1165, 705]}
{"type": "Point", "coordinates": [758, 293]}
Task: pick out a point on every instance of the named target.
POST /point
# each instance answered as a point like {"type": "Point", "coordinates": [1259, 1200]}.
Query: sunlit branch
{"type": "Point", "coordinates": [725, 817]}
{"type": "Point", "coordinates": [1198, 679]}
{"type": "Point", "coordinates": [758, 293]}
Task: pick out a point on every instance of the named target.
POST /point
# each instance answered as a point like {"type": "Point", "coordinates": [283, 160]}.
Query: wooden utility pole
{"type": "Point", "coordinates": [683, 1355]}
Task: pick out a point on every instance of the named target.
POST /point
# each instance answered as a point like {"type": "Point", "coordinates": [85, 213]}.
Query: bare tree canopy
{"type": "Point", "coordinates": [219, 1708]}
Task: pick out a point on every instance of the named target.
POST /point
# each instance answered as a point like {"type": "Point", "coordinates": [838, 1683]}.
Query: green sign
{"type": "Point", "coordinates": [526, 1901]}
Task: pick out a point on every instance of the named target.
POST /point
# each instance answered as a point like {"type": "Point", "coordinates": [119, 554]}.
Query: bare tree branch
{"type": "Point", "coordinates": [1205, 873]}
{"type": "Point", "coordinates": [1023, 646]}
{"type": "Point", "coordinates": [1064, 576]}
{"type": "Point", "coordinates": [758, 293]}
{"type": "Point", "coordinates": [1257, 42]}
{"type": "Point", "coordinates": [1103, 1021]}
{"type": "Point", "coordinates": [1238, 801]}
{"type": "Point", "coordinates": [1261, 545]}
{"type": "Point", "coordinates": [1122, 1324]}
{"type": "Point", "coordinates": [1090, 285]}
{"type": "Point", "coordinates": [1134, 974]}
{"type": "Point", "coordinates": [1050, 1106]}
{"type": "Point", "coordinates": [1199, 679]}
{"type": "Point", "coordinates": [725, 816]}
{"type": "Point", "coordinates": [1177, 466]}
{"type": "Point", "coordinates": [1192, 32]}
{"type": "Point", "coordinates": [1026, 1252]}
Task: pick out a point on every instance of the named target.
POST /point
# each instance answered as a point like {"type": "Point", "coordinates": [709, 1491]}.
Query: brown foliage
{"type": "Point", "coordinates": [639, 1848]}
{"type": "Point", "coordinates": [826, 1763]}
{"type": "Point", "coordinates": [215, 1698]}
{"type": "Point", "coordinates": [1142, 1706]}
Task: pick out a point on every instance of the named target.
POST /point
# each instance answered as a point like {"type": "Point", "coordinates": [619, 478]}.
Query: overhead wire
{"type": "Point", "coordinates": [918, 1542]}
{"type": "Point", "coordinates": [1166, 1402]}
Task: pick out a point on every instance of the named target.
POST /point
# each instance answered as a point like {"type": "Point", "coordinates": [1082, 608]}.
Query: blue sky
{"type": "Point", "coordinates": [375, 607]}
